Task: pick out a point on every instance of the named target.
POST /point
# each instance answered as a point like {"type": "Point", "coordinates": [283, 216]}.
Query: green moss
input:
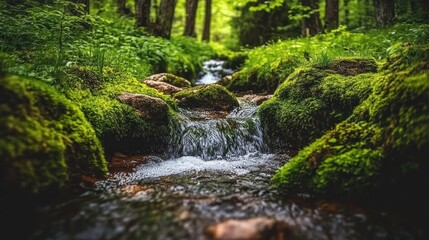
{"type": "Point", "coordinates": [381, 149]}
{"type": "Point", "coordinates": [310, 102]}
{"type": "Point", "coordinates": [258, 80]}
{"type": "Point", "coordinates": [340, 162]}
{"type": "Point", "coordinates": [120, 127]}
{"type": "Point", "coordinates": [44, 139]}
{"type": "Point", "coordinates": [176, 81]}
{"type": "Point", "coordinates": [214, 97]}
{"type": "Point", "coordinates": [352, 66]}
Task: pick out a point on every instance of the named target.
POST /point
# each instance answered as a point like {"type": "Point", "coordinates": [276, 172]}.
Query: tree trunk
{"type": "Point", "coordinates": [165, 18]}
{"type": "Point", "coordinates": [207, 21]}
{"type": "Point", "coordinates": [122, 8]}
{"type": "Point", "coordinates": [311, 25]}
{"type": "Point", "coordinates": [191, 13]}
{"type": "Point", "coordinates": [413, 7]}
{"type": "Point", "coordinates": [347, 12]}
{"type": "Point", "coordinates": [331, 14]}
{"type": "Point", "coordinates": [142, 13]}
{"type": "Point", "coordinates": [384, 12]}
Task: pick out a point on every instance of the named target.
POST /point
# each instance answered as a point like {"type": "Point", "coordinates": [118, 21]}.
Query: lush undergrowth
{"type": "Point", "coordinates": [381, 149]}
{"type": "Point", "coordinates": [270, 65]}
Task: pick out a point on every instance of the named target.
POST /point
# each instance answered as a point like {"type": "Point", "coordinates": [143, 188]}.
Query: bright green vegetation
{"type": "Point", "coordinates": [270, 65]}
{"type": "Point", "coordinates": [45, 138]}
{"type": "Point", "coordinates": [313, 100]}
{"type": "Point", "coordinates": [118, 126]}
{"type": "Point", "coordinates": [58, 39]}
{"type": "Point", "coordinates": [381, 149]}
{"type": "Point", "coordinates": [214, 97]}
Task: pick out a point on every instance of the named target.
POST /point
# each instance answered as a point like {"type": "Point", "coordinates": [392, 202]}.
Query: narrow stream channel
{"type": "Point", "coordinates": [219, 169]}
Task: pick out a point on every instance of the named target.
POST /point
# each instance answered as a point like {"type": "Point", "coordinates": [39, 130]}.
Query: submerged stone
{"type": "Point", "coordinates": [249, 229]}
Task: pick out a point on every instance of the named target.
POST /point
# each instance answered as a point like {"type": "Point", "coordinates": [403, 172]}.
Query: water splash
{"type": "Point", "coordinates": [237, 134]}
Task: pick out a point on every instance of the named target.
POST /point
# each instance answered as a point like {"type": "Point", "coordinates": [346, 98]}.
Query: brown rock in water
{"type": "Point", "coordinates": [256, 99]}
{"type": "Point", "coordinates": [170, 79]}
{"type": "Point", "coordinates": [250, 229]}
{"type": "Point", "coordinates": [149, 108]}
{"type": "Point", "coordinates": [163, 87]}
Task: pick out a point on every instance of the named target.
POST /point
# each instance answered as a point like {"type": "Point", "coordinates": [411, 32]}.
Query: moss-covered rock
{"type": "Point", "coordinates": [382, 149]}
{"type": "Point", "coordinates": [258, 81]}
{"type": "Point", "coordinates": [310, 102]}
{"type": "Point", "coordinates": [119, 126]}
{"type": "Point", "coordinates": [149, 108]}
{"type": "Point", "coordinates": [209, 97]}
{"type": "Point", "coordinates": [44, 138]}
{"type": "Point", "coordinates": [170, 79]}
{"type": "Point", "coordinates": [353, 66]}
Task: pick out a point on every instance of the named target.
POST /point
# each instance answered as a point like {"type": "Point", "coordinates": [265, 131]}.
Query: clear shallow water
{"type": "Point", "coordinates": [178, 198]}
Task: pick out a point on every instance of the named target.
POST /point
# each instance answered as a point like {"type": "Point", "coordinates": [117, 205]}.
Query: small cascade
{"type": "Point", "coordinates": [237, 134]}
{"type": "Point", "coordinates": [212, 72]}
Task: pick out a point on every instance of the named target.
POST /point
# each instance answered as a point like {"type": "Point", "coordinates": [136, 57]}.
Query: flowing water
{"type": "Point", "coordinates": [212, 72]}
{"type": "Point", "coordinates": [219, 169]}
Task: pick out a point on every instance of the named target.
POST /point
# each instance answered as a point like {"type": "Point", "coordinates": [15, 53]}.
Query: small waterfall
{"type": "Point", "coordinates": [212, 72]}
{"type": "Point", "coordinates": [237, 134]}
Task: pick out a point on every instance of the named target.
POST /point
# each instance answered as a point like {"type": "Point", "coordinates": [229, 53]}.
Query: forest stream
{"type": "Point", "coordinates": [219, 169]}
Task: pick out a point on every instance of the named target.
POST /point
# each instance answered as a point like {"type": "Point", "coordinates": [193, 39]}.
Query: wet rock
{"type": "Point", "coordinates": [124, 163]}
{"type": "Point", "coordinates": [170, 79]}
{"type": "Point", "coordinates": [163, 87]}
{"type": "Point", "coordinates": [149, 108]}
{"type": "Point", "coordinates": [250, 229]}
{"type": "Point", "coordinates": [256, 99]}
{"type": "Point", "coordinates": [208, 97]}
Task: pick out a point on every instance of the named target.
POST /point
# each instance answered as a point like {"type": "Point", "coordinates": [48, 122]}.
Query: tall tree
{"type": "Point", "coordinates": [384, 12]}
{"type": "Point", "coordinates": [122, 8]}
{"type": "Point", "coordinates": [347, 12]}
{"type": "Point", "coordinates": [165, 18]}
{"type": "Point", "coordinates": [191, 13]}
{"type": "Point", "coordinates": [331, 14]}
{"type": "Point", "coordinates": [142, 13]}
{"type": "Point", "coordinates": [311, 25]}
{"type": "Point", "coordinates": [207, 21]}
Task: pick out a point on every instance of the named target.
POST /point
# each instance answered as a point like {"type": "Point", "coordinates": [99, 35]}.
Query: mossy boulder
{"type": "Point", "coordinates": [353, 66]}
{"type": "Point", "coordinates": [381, 150]}
{"type": "Point", "coordinates": [259, 79]}
{"type": "Point", "coordinates": [147, 107]}
{"type": "Point", "coordinates": [45, 139]}
{"type": "Point", "coordinates": [170, 79]}
{"type": "Point", "coordinates": [209, 97]}
{"type": "Point", "coordinates": [119, 126]}
{"type": "Point", "coordinates": [310, 102]}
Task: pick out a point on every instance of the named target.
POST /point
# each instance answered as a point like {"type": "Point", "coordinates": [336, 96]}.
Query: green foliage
{"type": "Point", "coordinates": [271, 64]}
{"type": "Point", "coordinates": [118, 126]}
{"type": "Point", "coordinates": [212, 96]}
{"type": "Point", "coordinates": [44, 138]}
{"type": "Point", "coordinates": [381, 149]}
